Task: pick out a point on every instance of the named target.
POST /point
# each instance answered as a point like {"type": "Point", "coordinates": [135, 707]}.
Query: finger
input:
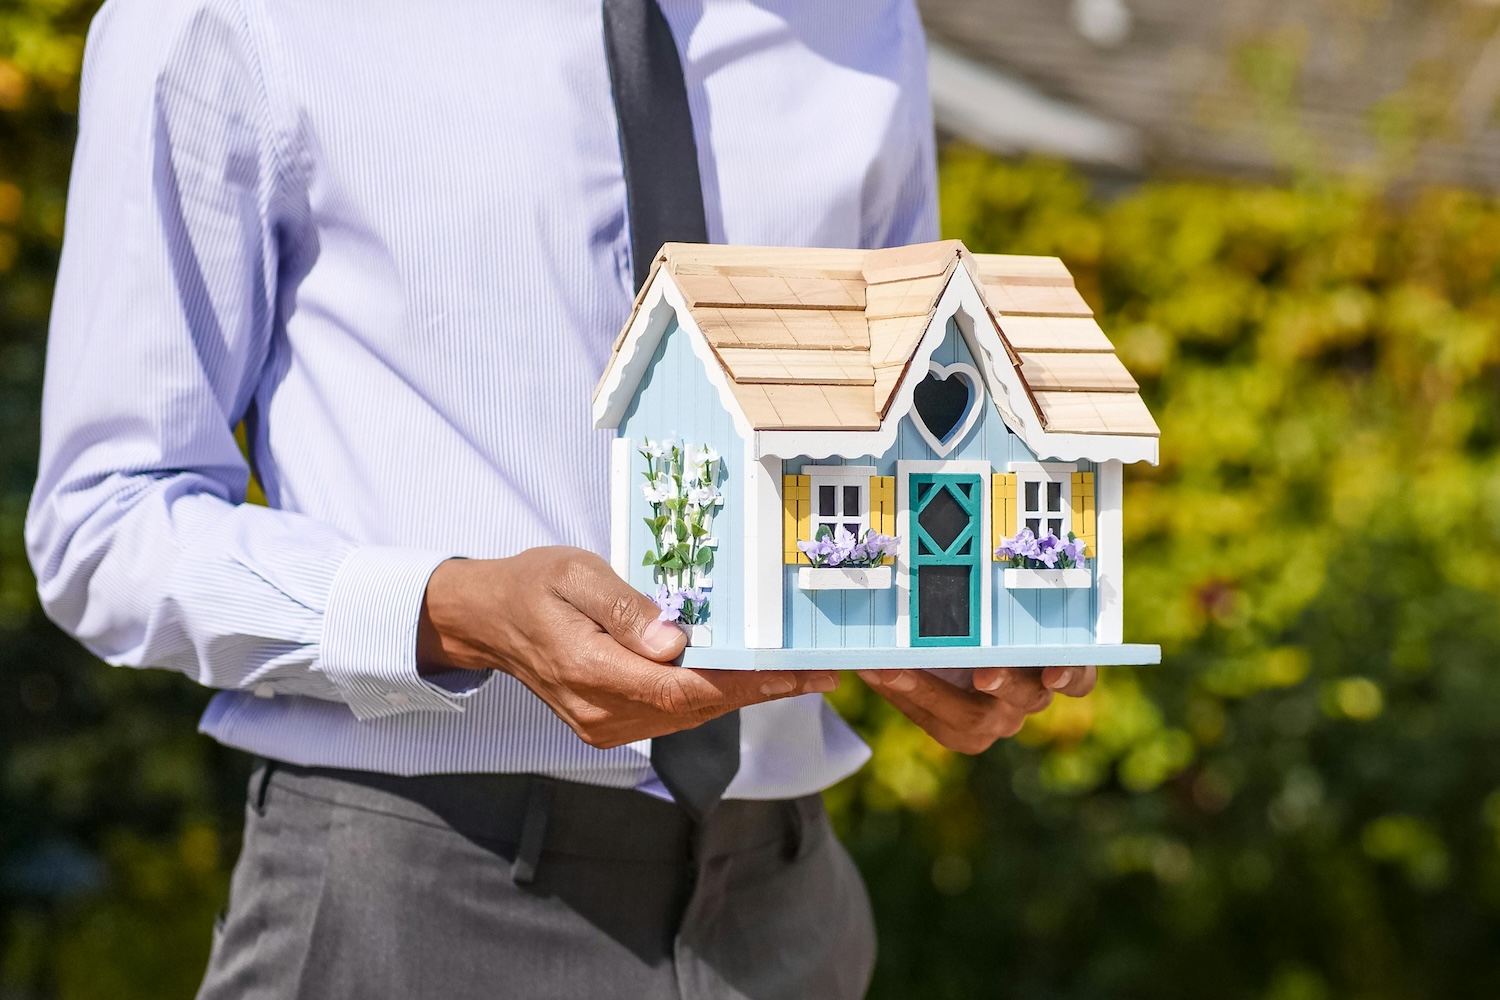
{"type": "Point", "coordinates": [633, 619]}
{"type": "Point", "coordinates": [691, 694]}
{"type": "Point", "coordinates": [960, 720]}
{"type": "Point", "coordinates": [1020, 686]}
{"type": "Point", "coordinates": [1075, 682]}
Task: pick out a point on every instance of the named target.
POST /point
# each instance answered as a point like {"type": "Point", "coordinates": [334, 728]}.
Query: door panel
{"type": "Point", "coordinates": [947, 558]}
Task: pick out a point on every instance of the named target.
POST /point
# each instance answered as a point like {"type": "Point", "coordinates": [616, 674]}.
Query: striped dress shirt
{"type": "Point", "coordinates": [389, 237]}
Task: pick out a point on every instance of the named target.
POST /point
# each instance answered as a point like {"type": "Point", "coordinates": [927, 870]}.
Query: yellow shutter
{"type": "Point", "coordinates": [796, 499]}
{"type": "Point", "coordinates": [883, 507]}
{"type": "Point", "coordinates": [1083, 510]}
{"type": "Point", "coordinates": [1002, 509]}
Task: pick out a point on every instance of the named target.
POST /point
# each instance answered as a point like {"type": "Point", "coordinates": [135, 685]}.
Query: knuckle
{"type": "Point", "coordinates": [1009, 725]}
{"type": "Point", "coordinates": [574, 566]}
{"type": "Point", "coordinates": [592, 738]}
{"type": "Point", "coordinates": [624, 614]}
{"type": "Point", "coordinates": [969, 742]}
{"type": "Point", "coordinates": [1039, 703]}
{"type": "Point", "coordinates": [669, 695]}
{"type": "Point", "coordinates": [591, 720]}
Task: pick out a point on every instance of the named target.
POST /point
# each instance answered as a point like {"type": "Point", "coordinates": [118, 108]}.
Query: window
{"type": "Point", "coordinates": [1045, 493]}
{"type": "Point", "coordinates": [840, 497]}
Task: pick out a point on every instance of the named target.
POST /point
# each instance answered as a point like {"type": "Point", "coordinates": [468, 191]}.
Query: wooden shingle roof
{"type": "Point", "coordinates": [822, 339]}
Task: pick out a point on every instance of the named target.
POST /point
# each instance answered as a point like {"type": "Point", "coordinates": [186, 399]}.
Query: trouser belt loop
{"type": "Point", "coordinates": [533, 830]}
{"type": "Point", "coordinates": [263, 785]}
{"type": "Point", "coordinates": [800, 839]}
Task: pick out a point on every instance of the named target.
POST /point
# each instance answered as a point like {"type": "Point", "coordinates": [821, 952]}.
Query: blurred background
{"type": "Point", "coordinates": [1285, 213]}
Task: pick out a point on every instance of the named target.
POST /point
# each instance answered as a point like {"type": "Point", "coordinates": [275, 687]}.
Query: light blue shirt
{"type": "Point", "coordinates": [390, 237]}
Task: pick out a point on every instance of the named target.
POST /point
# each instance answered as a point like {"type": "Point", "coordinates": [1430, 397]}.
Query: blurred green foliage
{"type": "Point", "coordinates": [1302, 803]}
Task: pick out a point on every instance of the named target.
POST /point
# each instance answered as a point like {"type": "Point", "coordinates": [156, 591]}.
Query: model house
{"type": "Point", "coordinates": [873, 458]}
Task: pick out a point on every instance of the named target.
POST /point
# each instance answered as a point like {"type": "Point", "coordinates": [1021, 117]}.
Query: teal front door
{"type": "Point", "coordinates": [947, 556]}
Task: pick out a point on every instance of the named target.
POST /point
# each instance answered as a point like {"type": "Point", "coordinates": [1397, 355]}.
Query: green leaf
{"type": "Point", "coordinates": [704, 557]}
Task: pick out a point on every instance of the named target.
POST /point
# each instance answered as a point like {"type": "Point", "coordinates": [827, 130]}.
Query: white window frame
{"type": "Point", "coordinates": [839, 476]}
{"type": "Point", "coordinates": [1043, 473]}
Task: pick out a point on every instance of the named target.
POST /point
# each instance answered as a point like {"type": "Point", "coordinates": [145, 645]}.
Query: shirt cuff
{"type": "Point", "coordinates": [369, 647]}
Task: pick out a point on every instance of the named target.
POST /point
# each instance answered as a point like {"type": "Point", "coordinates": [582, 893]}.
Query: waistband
{"type": "Point", "coordinates": [533, 814]}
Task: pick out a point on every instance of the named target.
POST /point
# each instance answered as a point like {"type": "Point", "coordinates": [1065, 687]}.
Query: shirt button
{"type": "Point", "coordinates": [265, 691]}
{"type": "Point", "coordinates": [397, 699]}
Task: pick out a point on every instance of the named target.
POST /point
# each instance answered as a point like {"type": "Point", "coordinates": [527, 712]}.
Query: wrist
{"type": "Point", "coordinates": [448, 612]}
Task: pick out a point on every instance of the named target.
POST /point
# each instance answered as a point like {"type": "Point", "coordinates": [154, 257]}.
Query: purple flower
{"type": "Point", "coordinates": [816, 551]}
{"type": "Point", "coordinates": [670, 603]}
{"type": "Point", "coordinates": [878, 546]}
{"type": "Point", "coordinates": [1028, 551]}
{"type": "Point", "coordinates": [843, 547]}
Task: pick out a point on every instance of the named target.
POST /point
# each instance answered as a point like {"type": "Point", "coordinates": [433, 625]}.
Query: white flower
{"type": "Point", "coordinates": [704, 456]}
{"type": "Point", "coordinates": [653, 449]}
{"type": "Point", "coordinates": [657, 494]}
{"type": "Point", "coordinates": [702, 496]}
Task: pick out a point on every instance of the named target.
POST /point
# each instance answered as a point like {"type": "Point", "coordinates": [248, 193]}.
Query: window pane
{"type": "Point", "coordinates": [943, 519]}
{"type": "Point", "coordinates": [943, 600]}
{"type": "Point", "coordinates": [1033, 495]}
{"type": "Point", "coordinates": [827, 501]}
{"type": "Point", "coordinates": [851, 501]}
{"type": "Point", "coordinates": [1054, 525]}
{"type": "Point", "coordinates": [1034, 525]}
{"type": "Point", "coordinates": [853, 529]}
{"type": "Point", "coordinates": [1054, 496]}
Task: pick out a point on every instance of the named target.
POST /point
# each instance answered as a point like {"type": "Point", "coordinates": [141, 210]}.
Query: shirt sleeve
{"type": "Point", "coordinates": [167, 308]}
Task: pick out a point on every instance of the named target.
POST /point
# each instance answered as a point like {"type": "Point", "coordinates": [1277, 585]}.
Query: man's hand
{"type": "Point", "coordinates": [563, 623]}
{"type": "Point", "coordinates": [970, 720]}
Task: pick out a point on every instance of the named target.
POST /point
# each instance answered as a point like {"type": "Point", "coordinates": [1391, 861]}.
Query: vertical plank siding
{"type": "Point", "coordinates": [676, 400]}
{"type": "Point", "coordinates": [849, 619]}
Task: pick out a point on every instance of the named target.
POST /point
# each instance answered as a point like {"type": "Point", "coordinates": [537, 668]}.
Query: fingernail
{"type": "Point", "coordinates": [821, 684]}
{"type": "Point", "coordinates": [660, 637]}
{"type": "Point", "coordinates": [903, 681]}
{"type": "Point", "coordinates": [778, 685]}
{"type": "Point", "coordinates": [1062, 680]}
{"type": "Point", "coordinates": [993, 683]}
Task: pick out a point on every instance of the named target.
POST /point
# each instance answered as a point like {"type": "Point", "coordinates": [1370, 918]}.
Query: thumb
{"type": "Point", "coordinates": [630, 617]}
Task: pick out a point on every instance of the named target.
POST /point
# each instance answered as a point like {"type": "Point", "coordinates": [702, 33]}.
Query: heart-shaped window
{"type": "Point", "coordinates": [945, 405]}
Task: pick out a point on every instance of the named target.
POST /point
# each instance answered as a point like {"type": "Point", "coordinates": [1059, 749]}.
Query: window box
{"type": "Point", "coordinates": [844, 578]}
{"type": "Point", "coordinates": [699, 635]}
{"type": "Point", "coordinates": [1048, 579]}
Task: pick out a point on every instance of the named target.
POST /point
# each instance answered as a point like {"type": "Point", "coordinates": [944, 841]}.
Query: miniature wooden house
{"type": "Point", "coordinates": [949, 399]}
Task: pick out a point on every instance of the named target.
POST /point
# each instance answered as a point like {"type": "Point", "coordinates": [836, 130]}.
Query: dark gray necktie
{"type": "Point", "coordinates": [664, 196]}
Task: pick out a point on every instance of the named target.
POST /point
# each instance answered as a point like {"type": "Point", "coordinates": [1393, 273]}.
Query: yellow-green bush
{"type": "Point", "coordinates": [1300, 801]}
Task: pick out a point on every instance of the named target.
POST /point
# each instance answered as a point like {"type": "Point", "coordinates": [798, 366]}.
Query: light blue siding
{"type": "Point", "coordinates": [837, 619]}
{"type": "Point", "coordinates": [676, 400]}
{"type": "Point", "coordinates": [859, 619]}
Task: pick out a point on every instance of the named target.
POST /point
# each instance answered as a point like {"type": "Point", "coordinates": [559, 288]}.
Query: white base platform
{"type": "Point", "coordinates": [920, 657]}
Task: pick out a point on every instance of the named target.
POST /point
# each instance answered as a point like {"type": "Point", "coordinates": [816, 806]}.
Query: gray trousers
{"type": "Point", "coordinates": [463, 887]}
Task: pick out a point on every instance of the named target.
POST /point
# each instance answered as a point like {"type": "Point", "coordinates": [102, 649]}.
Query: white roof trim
{"type": "Point", "coordinates": [663, 300]}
